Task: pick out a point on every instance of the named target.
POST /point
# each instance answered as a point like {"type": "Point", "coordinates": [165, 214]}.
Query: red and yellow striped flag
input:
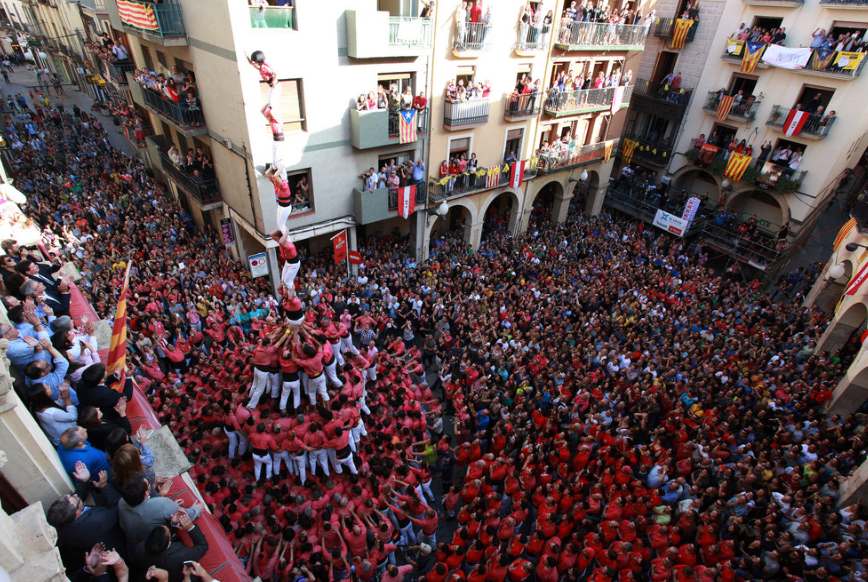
{"type": "Point", "coordinates": [138, 14]}
{"type": "Point", "coordinates": [627, 150]}
{"type": "Point", "coordinates": [117, 356]}
{"type": "Point", "coordinates": [724, 107]}
{"type": "Point", "coordinates": [842, 234]}
{"type": "Point", "coordinates": [679, 35]}
{"type": "Point", "coordinates": [738, 163]}
{"type": "Point", "coordinates": [607, 150]}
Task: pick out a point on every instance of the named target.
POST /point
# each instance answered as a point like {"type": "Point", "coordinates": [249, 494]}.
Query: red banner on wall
{"type": "Point", "coordinates": [340, 244]}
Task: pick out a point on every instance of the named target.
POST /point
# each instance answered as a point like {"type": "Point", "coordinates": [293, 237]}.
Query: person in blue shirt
{"type": "Point", "coordinates": [418, 172]}
{"type": "Point", "coordinates": [74, 448]}
{"type": "Point", "coordinates": [41, 372]}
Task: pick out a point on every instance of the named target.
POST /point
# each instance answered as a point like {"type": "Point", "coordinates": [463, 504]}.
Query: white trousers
{"type": "Point", "coordinates": [347, 345]}
{"type": "Point", "coordinates": [257, 389]}
{"type": "Point", "coordinates": [274, 384]}
{"type": "Point", "coordinates": [283, 213]}
{"type": "Point", "coordinates": [332, 375]}
{"type": "Point", "coordinates": [321, 457]}
{"type": "Point", "coordinates": [287, 275]}
{"type": "Point", "coordinates": [278, 458]}
{"type": "Point", "coordinates": [237, 441]}
{"type": "Point", "coordinates": [295, 388]}
{"type": "Point", "coordinates": [345, 462]}
{"type": "Point", "coordinates": [317, 386]}
{"type": "Point", "coordinates": [258, 462]}
{"type": "Point", "coordinates": [299, 466]}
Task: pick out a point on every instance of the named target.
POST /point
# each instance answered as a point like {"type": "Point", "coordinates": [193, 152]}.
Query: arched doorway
{"type": "Point", "coordinates": [769, 210]}
{"type": "Point", "coordinates": [451, 230]}
{"type": "Point", "coordinates": [500, 214]}
{"type": "Point", "coordinates": [697, 182]}
{"type": "Point", "coordinates": [832, 290]}
{"type": "Point", "coordinates": [842, 328]}
{"type": "Point", "coordinates": [542, 210]}
{"type": "Point", "coordinates": [850, 394]}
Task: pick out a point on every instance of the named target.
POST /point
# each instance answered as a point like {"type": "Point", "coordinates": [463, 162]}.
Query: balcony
{"type": "Point", "coordinates": [657, 99]}
{"type": "Point", "coordinates": [187, 120]}
{"type": "Point", "coordinates": [744, 111]}
{"type": "Point", "coordinates": [470, 38]}
{"type": "Point", "coordinates": [762, 174]}
{"type": "Point", "coordinates": [381, 204]}
{"type": "Point", "coordinates": [530, 42]}
{"type": "Point", "coordinates": [381, 127]}
{"type": "Point", "coordinates": [563, 104]}
{"type": "Point", "coordinates": [492, 177]}
{"type": "Point", "coordinates": [372, 35]}
{"type": "Point", "coordinates": [130, 134]}
{"type": "Point", "coordinates": [594, 36]}
{"type": "Point", "coordinates": [632, 199]}
{"type": "Point", "coordinates": [204, 190]}
{"type": "Point", "coordinates": [159, 23]}
{"type": "Point", "coordinates": [816, 127]}
{"type": "Point", "coordinates": [839, 68]}
{"type": "Point", "coordinates": [844, 4]}
{"type": "Point", "coordinates": [116, 71]}
{"type": "Point", "coordinates": [776, 3]}
{"type": "Point", "coordinates": [567, 159]}
{"type": "Point", "coordinates": [94, 6]}
{"type": "Point", "coordinates": [517, 107]}
{"type": "Point", "coordinates": [665, 28]}
{"type": "Point", "coordinates": [655, 153]}
{"type": "Point", "coordinates": [273, 17]}
{"type": "Point", "coordinates": [471, 113]}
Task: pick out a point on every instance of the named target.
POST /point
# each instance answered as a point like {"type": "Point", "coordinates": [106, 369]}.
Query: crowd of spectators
{"type": "Point", "coordinates": [392, 99]}
{"type": "Point", "coordinates": [585, 401]}
{"type": "Point", "coordinates": [472, 24]}
{"type": "Point", "coordinates": [460, 93]}
{"type": "Point", "coordinates": [853, 41]}
{"type": "Point", "coordinates": [177, 87]}
{"type": "Point", "coordinates": [393, 175]}
{"type": "Point", "coordinates": [760, 35]}
{"type": "Point", "coordinates": [534, 26]}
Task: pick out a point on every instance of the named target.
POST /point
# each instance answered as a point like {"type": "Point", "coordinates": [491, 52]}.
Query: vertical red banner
{"type": "Point", "coordinates": [340, 245]}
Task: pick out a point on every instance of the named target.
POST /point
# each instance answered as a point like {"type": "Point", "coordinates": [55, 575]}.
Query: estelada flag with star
{"type": "Point", "coordinates": [752, 53]}
{"type": "Point", "coordinates": [679, 35]}
{"type": "Point", "coordinates": [117, 356]}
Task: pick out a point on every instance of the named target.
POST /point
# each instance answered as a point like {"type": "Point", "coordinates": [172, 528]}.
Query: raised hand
{"type": "Point", "coordinates": [81, 472]}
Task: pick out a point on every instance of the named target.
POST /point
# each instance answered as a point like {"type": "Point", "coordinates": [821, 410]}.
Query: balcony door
{"type": "Point", "coordinates": [665, 65]}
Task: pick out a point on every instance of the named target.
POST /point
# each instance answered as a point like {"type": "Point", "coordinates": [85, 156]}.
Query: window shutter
{"type": "Point", "coordinates": [291, 106]}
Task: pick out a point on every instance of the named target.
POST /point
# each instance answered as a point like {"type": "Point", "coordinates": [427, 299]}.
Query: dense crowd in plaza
{"type": "Point", "coordinates": [585, 401]}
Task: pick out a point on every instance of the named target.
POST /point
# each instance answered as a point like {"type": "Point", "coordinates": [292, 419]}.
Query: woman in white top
{"type": "Point", "coordinates": [53, 418]}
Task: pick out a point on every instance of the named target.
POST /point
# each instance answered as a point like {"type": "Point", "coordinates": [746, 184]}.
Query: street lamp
{"type": "Point", "coordinates": [584, 176]}
{"type": "Point", "coordinates": [441, 210]}
{"type": "Point", "coordinates": [836, 271]}
{"type": "Point", "coordinates": [853, 246]}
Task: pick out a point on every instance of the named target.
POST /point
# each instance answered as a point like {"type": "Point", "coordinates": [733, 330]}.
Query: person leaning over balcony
{"type": "Point", "coordinates": [427, 10]}
{"type": "Point", "coordinates": [444, 172]}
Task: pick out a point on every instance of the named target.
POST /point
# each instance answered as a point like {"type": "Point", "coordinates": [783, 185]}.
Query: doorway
{"type": "Point", "coordinates": [665, 65]}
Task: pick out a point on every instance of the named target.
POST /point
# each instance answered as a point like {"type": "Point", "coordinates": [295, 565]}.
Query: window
{"type": "Point", "coordinates": [767, 22]}
{"type": "Point", "coordinates": [291, 106]}
{"type": "Point", "coordinates": [301, 186]}
{"type": "Point", "coordinates": [398, 159]}
{"type": "Point", "coordinates": [465, 74]}
{"type": "Point", "coordinates": [545, 132]}
{"type": "Point", "coordinates": [181, 140]}
{"type": "Point", "coordinates": [815, 99]}
{"type": "Point", "coordinates": [513, 142]}
{"type": "Point", "coordinates": [459, 146]}
{"type": "Point", "coordinates": [399, 80]}
{"type": "Point", "coordinates": [146, 55]}
{"type": "Point", "coordinates": [723, 131]}
{"type": "Point", "coordinates": [161, 58]}
{"type": "Point", "coordinates": [839, 28]}
{"type": "Point", "coordinates": [603, 128]}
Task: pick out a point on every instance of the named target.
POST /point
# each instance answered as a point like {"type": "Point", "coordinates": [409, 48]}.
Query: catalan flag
{"type": "Point", "coordinates": [117, 356]}
{"type": "Point", "coordinates": [138, 14]}
{"type": "Point", "coordinates": [842, 234]}
{"type": "Point", "coordinates": [682, 26]}
{"type": "Point", "coordinates": [820, 59]}
{"type": "Point", "coordinates": [607, 150]}
{"type": "Point", "coordinates": [407, 131]}
{"type": "Point", "coordinates": [752, 53]}
{"type": "Point", "coordinates": [724, 107]}
{"type": "Point", "coordinates": [627, 150]}
{"type": "Point", "coordinates": [738, 163]}
{"type": "Point", "coordinates": [493, 177]}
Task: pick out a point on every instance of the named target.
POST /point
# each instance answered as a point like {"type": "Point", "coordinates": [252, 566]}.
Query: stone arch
{"type": "Point", "coordinates": [514, 212]}
{"type": "Point", "coordinates": [697, 181]}
{"type": "Point", "coordinates": [851, 392]}
{"type": "Point", "coordinates": [544, 202]}
{"type": "Point", "coordinates": [842, 326]}
{"type": "Point", "coordinates": [768, 206]}
{"type": "Point", "coordinates": [435, 223]}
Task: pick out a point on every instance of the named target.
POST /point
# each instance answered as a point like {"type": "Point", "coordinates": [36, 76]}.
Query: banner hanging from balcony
{"type": "Point", "coordinates": [706, 155]}
{"type": "Point", "coordinates": [492, 177]}
{"type": "Point", "coordinates": [406, 201]}
{"type": "Point", "coordinates": [627, 150]}
{"type": "Point", "coordinates": [679, 34]}
{"type": "Point", "coordinates": [820, 59]}
{"type": "Point", "coordinates": [857, 281]}
{"type": "Point", "coordinates": [738, 163]}
{"type": "Point", "coordinates": [734, 48]}
{"type": "Point", "coordinates": [516, 174]}
{"type": "Point", "coordinates": [752, 54]}
{"type": "Point", "coordinates": [842, 234]}
{"type": "Point", "coordinates": [786, 58]}
{"type": "Point", "coordinates": [408, 126]}
{"type": "Point", "coordinates": [607, 150]}
{"type": "Point", "coordinates": [848, 61]}
{"type": "Point", "coordinates": [795, 122]}
{"type": "Point", "coordinates": [138, 15]}
{"type": "Point", "coordinates": [617, 99]}
{"type": "Point", "coordinates": [724, 107]}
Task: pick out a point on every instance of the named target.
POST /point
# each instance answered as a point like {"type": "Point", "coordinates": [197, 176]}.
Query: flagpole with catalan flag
{"type": "Point", "coordinates": [117, 356]}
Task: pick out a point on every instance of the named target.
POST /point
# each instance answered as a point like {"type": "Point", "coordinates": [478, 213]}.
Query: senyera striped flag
{"type": "Point", "coordinates": [138, 14]}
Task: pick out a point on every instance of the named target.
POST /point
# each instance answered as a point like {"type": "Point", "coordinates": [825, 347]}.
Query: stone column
{"type": "Point", "coordinates": [561, 208]}
{"type": "Point", "coordinates": [353, 245]}
{"type": "Point", "coordinates": [273, 269]}
{"type": "Point", "coordinates": [34, 469]}
{"type": "Point", "coordinates": [855, 488]}
{"type": "Point", "coordinates": [595, 201]}
{"type": "Point", "coordinates": [27, 545]}
{"type": "Point", "coordinates": [835, 336]}
{"type": "Point", "coordinates": [473, 234]}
